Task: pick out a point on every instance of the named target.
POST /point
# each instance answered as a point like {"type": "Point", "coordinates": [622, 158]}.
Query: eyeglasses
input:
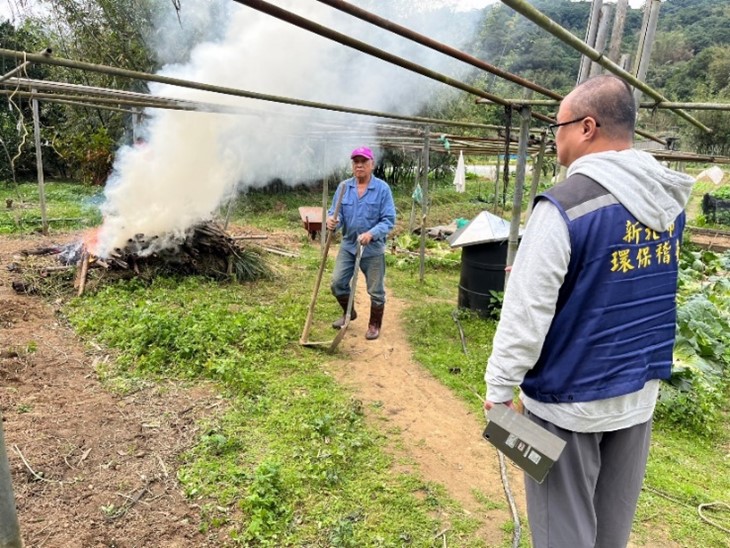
{"type": "Point", "coordinates": [553, 127]}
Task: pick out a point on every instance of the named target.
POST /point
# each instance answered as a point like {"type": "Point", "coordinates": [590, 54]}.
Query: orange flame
{"type": "Point", "coordinates": [91, 240]}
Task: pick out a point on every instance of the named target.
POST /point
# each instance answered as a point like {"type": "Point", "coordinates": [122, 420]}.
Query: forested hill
{"type": "Point", "coordinates": [690, 60]}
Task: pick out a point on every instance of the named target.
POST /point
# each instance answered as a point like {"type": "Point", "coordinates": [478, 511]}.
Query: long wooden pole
{"type": "Point", "coordinates": [647, 43]}
{"type": "Point", "coordinates": [325, 197]}
{"type": "Point", "coordinates": [39, 166]}
{"type": "Point", "coordinates": [590, 39]}
{"type": "Point", "coordinates": [424, 202]}
{"type": "Point", "coordinates": [514, 228]}
{"type": "Point", "coordinates": [144, 76]}
{"type": "Point", "coordinates": [617, 32]}
{"type": "Point", "coordinates": [536, 173]}
{"type": "Point", "coordinates": [304, 339]}
{"type": "Point", "coordinates": [601, 38]}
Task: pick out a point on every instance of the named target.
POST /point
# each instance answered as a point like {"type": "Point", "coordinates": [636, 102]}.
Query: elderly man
{"type": "Point", "coordinates": [366, 216]}
{"type": "Point", "coordinates": [588, 322]}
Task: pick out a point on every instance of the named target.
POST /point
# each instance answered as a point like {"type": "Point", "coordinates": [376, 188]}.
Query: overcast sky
{"type": "Point", "coordinates": [9, 9]}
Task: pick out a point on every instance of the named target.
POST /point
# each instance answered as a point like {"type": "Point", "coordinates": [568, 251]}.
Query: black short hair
{"type": "Point", "coordinates": [610, 101]}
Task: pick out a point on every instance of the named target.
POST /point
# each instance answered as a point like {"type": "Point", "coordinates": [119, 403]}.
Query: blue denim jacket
{"type": "Point", "coordinates": [374, 212]}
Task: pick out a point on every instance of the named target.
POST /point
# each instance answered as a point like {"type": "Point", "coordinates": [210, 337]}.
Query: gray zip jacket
{"type": "Point", "coordinates": [655, 195]}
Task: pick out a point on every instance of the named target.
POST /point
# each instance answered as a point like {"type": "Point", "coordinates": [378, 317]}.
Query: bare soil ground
{"type": "Point", "coordinates": [93, 468]}
{"type": "Point", "coordinates": [90, 468]}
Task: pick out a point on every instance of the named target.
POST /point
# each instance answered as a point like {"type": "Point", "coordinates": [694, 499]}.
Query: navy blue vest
{"type": "Point", "coordinates": [614, 324]}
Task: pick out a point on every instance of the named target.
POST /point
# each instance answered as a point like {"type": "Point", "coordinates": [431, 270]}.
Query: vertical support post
{"type": "Point", "coordinates": [646, 43]}
{"type": "Point", "coordinates": [9, 528]}
{"type": "Point", "coordinates": [601, 38]}
{"type": "Point", "coordinates": [505, 172]}
{"type": "Point", "coordinates": [617, 32]}
{"type": "Point", "coordinates": [39, 164]}
{"type": "Point", "coordinates": [325, 198]}
{"type": "Point", "coordinates": [412, 219]}
{"type": "Point", "coordinates": [135, 125]}
{"type": "Point", "coordinates": [424, 202]}
{"type": "Point", "coordinates": [229, 210]}
{"type": "Point", "coordinates": [536, 172]}
{"type": "Point", "coordinates": [497, 170]}
{"type": "Point", "coordinates": [624, 61]}
{"type": "Point", "coordinates": [585, 62]}
{"type": "Point", "coordinates": [514, 228]}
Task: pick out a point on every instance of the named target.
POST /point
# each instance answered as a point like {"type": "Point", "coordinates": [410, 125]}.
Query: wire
{"type": "Point", "coordinates": [517, 532]}
{"type": "Point", "coordinates": [700, 507]}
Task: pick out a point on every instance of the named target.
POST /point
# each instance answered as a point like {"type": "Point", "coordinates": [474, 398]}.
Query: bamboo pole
{"type": "Point", "coordinates": [601, 38]}
{"type": "Point", "coordinates": [505, 171]}
{"type": "Point", "coordinates": [590, 39]}
{"type": "Point", "coordinates": [437, 46]}
{"type": "Point", "coordinates": [646, 44]}
{"type": "Point", "coordinates": [424, 203]}
{"type": "Point", "coordinates": [39, 167]}
{"type": "Point", "coordinates": [617, 32]}
{"type": "Point", "coordinates": [514, 228]}
{"type": "Point", "coordinates": [646, 104]}
{"type": "Point", "coordinates": [302, 22]}
{"type": "Point", "coordinates": [536, 173]}
{"type": "Point", "coordinates": [115, 71]}
{"type": "Point", "coordinates": [325, 197]}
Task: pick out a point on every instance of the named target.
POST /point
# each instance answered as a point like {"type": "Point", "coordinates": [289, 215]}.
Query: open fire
{"type": "Point", "coordinates": [205, 249]}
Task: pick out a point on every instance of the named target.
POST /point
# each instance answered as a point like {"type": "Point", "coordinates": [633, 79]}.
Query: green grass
{"type": "Point", "coordinates": [69, 206]}
{"type": "Point", "coordinates": [292, 461]}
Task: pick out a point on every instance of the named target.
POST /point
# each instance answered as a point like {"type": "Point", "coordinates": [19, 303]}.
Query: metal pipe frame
{"type": "Point", "coordinates": [343, 39]}
{"type": "Point", "coordinates": [115, 71]}
{"type": "Point", "coordinates": [437, 46]}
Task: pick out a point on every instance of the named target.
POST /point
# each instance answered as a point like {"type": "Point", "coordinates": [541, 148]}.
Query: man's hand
{"type": "Point", "coordinates": [365, 238]}
{"type": "Point", "coordinates": [489, 404]}
{"type": "Point", "coordinates": [331, 223]}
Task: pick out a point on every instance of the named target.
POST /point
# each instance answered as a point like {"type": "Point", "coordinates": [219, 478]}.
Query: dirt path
{"type": "Point", "coordinates": [94, 468]}
{"type": "Point", "coordinates": [90, 468]}
{"type": "Point", "coordinates": [440, 434]}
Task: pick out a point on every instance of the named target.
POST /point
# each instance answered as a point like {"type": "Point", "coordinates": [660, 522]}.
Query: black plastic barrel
{"type": "Point", "coordinates": [482, 271]}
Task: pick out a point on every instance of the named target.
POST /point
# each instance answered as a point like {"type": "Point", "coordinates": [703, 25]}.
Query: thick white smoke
{"type": "Point", "coordinates": [192, 162]}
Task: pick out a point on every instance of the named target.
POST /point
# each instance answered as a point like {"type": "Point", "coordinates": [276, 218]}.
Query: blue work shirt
{"type": "Point", "coordinates": [372, 212]}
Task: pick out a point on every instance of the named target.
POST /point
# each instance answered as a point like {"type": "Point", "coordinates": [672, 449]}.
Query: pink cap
{"type": "Point", "coordinates": [365, 152]}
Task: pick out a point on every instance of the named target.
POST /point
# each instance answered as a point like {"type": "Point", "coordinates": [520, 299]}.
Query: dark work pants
{"type": "Point", "coordinates": [589, 497]}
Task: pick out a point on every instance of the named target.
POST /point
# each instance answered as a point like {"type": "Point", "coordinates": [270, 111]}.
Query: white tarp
{"type": "Point", "coordinates": [714, 174]}
{"type": "Point", "coordinates": [485, 227]}
{"type": "Point", "coordinates": [460, 176]}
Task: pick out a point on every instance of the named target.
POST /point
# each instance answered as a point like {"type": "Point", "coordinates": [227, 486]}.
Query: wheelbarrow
{"type": "Point", "coordinates": [312, 219]}
{"type": "Point", "coordinates": [331, 345]}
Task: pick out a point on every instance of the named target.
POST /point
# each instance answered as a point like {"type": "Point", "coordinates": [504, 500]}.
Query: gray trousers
{"type": "Point", "coordinates": [589, 497]}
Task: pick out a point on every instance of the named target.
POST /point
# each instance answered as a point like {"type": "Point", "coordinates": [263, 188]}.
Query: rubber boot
{"type": "Point", "coordinates": [343, 300]}
{"type": "Point", "coordinates": [376, 320]}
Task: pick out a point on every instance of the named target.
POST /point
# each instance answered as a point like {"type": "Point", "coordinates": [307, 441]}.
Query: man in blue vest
{"type": "Point", "coordinates": [588, 320]}
{"type": "Point", "coordinates": [367, 215]}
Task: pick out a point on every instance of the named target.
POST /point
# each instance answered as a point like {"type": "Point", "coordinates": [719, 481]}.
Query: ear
{"type": "Point", "coordinates": [589, 126]}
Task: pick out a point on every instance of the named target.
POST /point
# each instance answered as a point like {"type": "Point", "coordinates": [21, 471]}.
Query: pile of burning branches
{"type": "Point", "coordinates": [205, 250]}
